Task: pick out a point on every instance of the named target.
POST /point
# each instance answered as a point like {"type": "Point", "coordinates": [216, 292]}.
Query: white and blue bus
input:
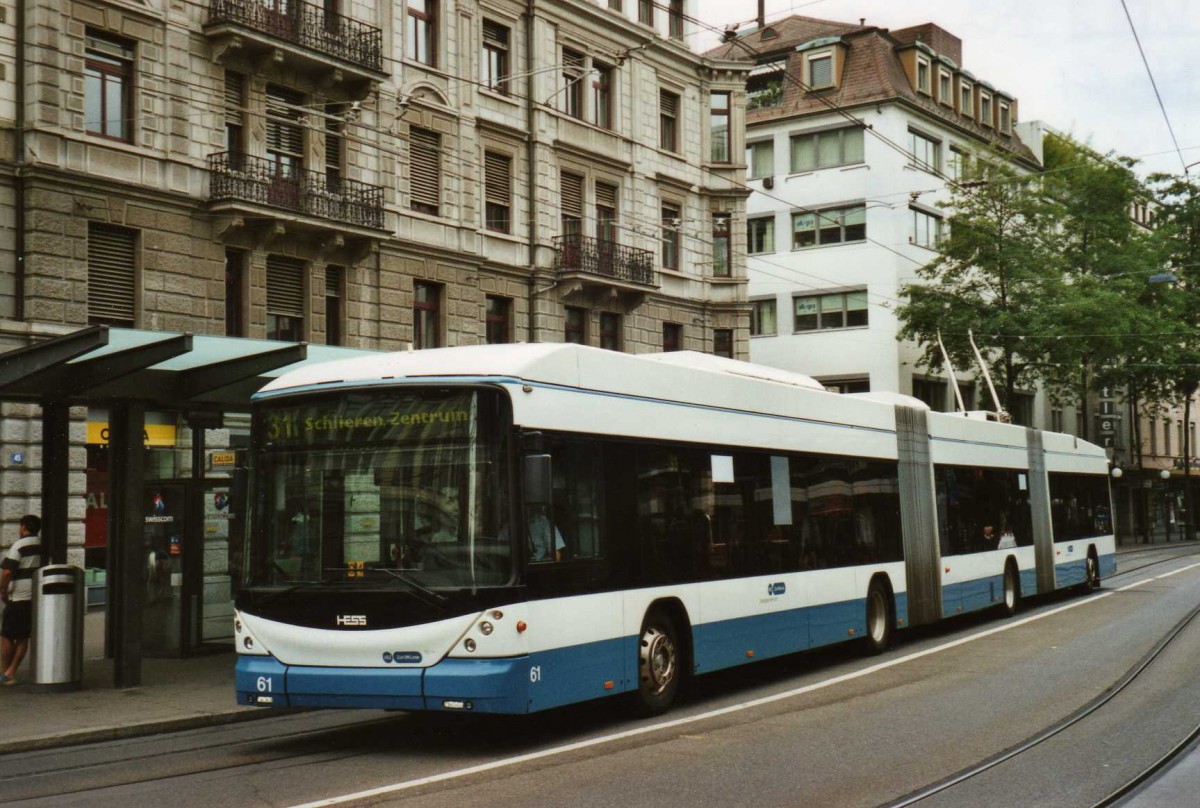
{"type": "Point", "coordinates": [512, 528]}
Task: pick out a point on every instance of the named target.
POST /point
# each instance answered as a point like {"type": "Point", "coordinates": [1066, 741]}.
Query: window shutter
{"type": "Point", "coordinates": [668, 103]}
{"type": "Point", "coordinates": [235, 98]}
{"type": "Point", "coordinates": [284, 133]}
{"type": "Point", "coordinates": [285, 286]}
{"type": "Point", "coordinates": [572, 195]}
{"type": "Point", "coordinates": [822, 72]}
{"type": "Point", "coordinates": [112, 256]}
{"type": "Point", "coordinates": [497, 177]}
{"type": "Point", "coordinates": [606, 195]}
{"type": "Point", "coordinates": [495, 33]}
{"type": "Point", "coordinates": [333, 281]}
{"type": "Point", "coordinates": [425, 182]}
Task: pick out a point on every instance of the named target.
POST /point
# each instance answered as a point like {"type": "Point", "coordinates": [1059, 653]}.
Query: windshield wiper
{"type": "Point", "coordinates": [436, 598]}
{"type": "Point", "coordinates": [295, 588]}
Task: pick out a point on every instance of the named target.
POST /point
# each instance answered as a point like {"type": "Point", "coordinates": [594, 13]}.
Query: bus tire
{"type": "Point", "coordinates": [1092, 575]}
{"type": "Point", "coordinates": [660, 664]}
{"type": "Point", "coordinates": [1012, 590]}
{"type": "Point", "coordinates": [879, 618]}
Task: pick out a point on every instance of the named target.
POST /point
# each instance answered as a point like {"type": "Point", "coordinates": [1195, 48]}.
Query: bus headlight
{"type": "Point", "coordinates": [485, 627]}
{"type": "Point", "coordinates": [469, 645]}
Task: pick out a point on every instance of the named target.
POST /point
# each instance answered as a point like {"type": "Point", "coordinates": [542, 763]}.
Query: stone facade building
{"type": "Point", "coordinates": [424, 173]}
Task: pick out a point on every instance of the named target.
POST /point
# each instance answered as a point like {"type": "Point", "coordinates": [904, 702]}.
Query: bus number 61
{"type": "Point", "coordinates": [535, 674]}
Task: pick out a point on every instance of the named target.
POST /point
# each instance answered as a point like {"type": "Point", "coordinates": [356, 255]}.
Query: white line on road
{"type": "Point", "coordinates": [734, 708]}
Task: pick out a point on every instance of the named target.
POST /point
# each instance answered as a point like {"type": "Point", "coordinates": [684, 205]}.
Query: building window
{"type": "Point", "coordinates": [847, 386]}
{"type": "Point", "coordinates": [1021, 409]}
{"type": "Point", "coordinates": [646, 12]}
{"type": "Point", "coordinates": [495, 57]}
{"type": "Point", "coordinates": [235, 294]}
{"type": "Point", "coordinates": [334, 281]}
{"type": "Point", "coordinates": [966, 104]}
{"type": "Point", "coordinates": [602, 95]}
{"type": "Point", "coordinates": [926, 229]}
{"type": "Point", "coordinates": [1005, 119]}
{"type": "Point", "coordinates": [427, 311]}
{"type": "Point", "coordinates": [668, 121]}
{"type": "Point", "coordinates": [1057, 422]}
{"type": "Point", "coordinates": [285, 298]}
{"type": "Point", "coordinates": [112, 275]}
{"type": "Point", "coordinates": [723, 342]}
{"type": "Point", "coordinates": [575, 327]}
{"type": "Point", "coordinates": [956, 167]}
{"type": "Point", "coordinates": [675, 19]}
{"type": "Point", "coordinates": [335, 148]}
{"type": "Point", "coordinates": [926, 152]}
{"type": "Point", "coordinates": [760, 235]}
{"type": "Point", "coordinates": [838, 310]}
{"type": "Point", "coordinates": [285, 138]}
{"type": "Point", "coordinates": [610, 331]}
{"type": "Point", "coordinates": [967, 391]}
{"type": "Point", "coordinates": [923, 71]}
{"type": "Point", "coordinates": [832, 226]}
{"type": "Point", "coordinates": [985, 109]}
{"type": "Point", "coordinates": [762, 318]}
{"type": "Point", "coordinates": [760, 157]}
{"type": "Point", "coordinates": [672, 337]}
{"type": "Point", "coordinates": [108, 87]}
{"type": "Point", "coordinates": [571, 194]}
{"type": "Point", "coordinates": [945, 88]}
{"type": "Point", "coordinates": [422, 31]}
{"type": "Point", "coordinates": [497, 183]}
{"type": "Point", "coordinates": [498, 316]}
{"type": "Point", "coordinates": [932, 392]}
{"type": "Point", "coordinates": [670, 237]}
{"type": "Point", "coordinates": [722, 244]}
{"type": "Point", "coordinates": [572, 83]}
{"type": "Point", "coordinates": [425, 170]}
{"type": "Point", "coordinates": [820, 70]}
{"type": "Point", "coordinates": [606, 213]}
{"type": "Point", "coordinates": [235, 117]}
{"type": "Point", "coordinates": [718, 127]}
{"type": "Point", "coordinates": [615, 5]}
{"type": "Point", "coordinates": [764, 86]}
{"type": "Point", "coordinates": [837, 147]}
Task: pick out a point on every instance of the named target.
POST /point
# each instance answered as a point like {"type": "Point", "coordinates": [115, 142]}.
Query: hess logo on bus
{"type": "Point", "coordinates": [351, 620]}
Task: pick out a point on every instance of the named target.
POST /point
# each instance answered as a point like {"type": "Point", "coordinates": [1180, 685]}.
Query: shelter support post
{"type": "Point", "coordinates": [56, 448]}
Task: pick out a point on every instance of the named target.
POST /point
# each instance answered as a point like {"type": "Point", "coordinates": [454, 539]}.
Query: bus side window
{"type": "Point", "coordinates": [578, 497]}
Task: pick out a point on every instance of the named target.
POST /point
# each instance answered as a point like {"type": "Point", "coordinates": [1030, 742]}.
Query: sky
{"type": "Point", "coordinates": [1074, 65]}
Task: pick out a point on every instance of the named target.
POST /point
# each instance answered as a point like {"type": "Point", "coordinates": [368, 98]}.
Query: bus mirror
{"type": "Point", "coordinates": [537, 479]}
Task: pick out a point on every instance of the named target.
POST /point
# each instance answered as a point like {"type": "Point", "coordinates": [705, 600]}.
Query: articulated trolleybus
{"type": "Point", "coordinates": [512, 528]}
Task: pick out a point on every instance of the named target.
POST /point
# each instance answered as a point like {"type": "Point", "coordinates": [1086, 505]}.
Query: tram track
{"type": "Point", "coordinates": [947, 787]}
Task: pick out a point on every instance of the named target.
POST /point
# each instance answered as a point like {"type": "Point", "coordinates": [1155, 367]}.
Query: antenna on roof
{"type": "Point", "coordinates": [762, 14]}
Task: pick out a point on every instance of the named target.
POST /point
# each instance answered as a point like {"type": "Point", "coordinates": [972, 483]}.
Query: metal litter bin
{"type": "Point", "coordinates": [57, 647]}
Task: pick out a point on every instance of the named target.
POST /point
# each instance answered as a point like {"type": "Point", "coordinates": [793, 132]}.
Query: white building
{"type": "Point", "coordinates": [853, 133]}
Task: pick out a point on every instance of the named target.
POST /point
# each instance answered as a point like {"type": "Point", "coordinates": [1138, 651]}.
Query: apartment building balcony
{"type": "Point", "coordinates": [604, 266]}
{"type": "Point", "coordinates": [301, 36]}
{"type": "Point", "coordinates": [254, 188]}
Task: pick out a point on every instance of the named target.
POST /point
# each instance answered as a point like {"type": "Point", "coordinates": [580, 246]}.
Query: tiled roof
{"type": "Point", "coordinates": [872, 74]}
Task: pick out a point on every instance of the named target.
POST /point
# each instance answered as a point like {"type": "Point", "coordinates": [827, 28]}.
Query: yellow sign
{"type": "Point", "coordinates": [152, 434]}
{"type": "Point", "coordinates": [224, 459]}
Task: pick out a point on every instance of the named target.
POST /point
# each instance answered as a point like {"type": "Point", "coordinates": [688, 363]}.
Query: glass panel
{"type": "Point", "coordinates": [807, 314]}
{"type": "Point", "coordinates": [856, 223]}
{"type": "Point", "coordinates": [93, 109]}
{"type": "Point", "coordinates": [831, 311]}
{"type": "Point", "coordinates": [852, 145]}
{"type": "Point", "coordinates": [114, 103]}
{"type": "Point", "coordinates": [829, 223]}
{"type": "Point", "coordinates": [856, 308]}
{"type": "Point", "coordinates": [804, 232]}
{"type": "Point", "coordinates": [829, 149]}
{"type": "Point", "coordinates": [762, 162]}
{"type": "Point", "coordinates": [382, 488]}
{"type": "Point", "coordinates": [165, 515]}
{"type": "Point", "coordinates": [804, 153]}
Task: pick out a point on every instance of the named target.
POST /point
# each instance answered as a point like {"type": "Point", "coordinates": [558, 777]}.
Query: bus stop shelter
{"type": "Point", "coordinates": [130, 372]}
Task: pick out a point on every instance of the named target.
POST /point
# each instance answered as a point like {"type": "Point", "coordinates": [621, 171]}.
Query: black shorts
{"type": "Point", "coordinates": [18, 620]}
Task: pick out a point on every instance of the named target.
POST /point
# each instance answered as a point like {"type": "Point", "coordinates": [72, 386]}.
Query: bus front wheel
{"type": "Point", "coordinates": [879, 618]}
{"type": "Point", "coordinates": [659, 664]}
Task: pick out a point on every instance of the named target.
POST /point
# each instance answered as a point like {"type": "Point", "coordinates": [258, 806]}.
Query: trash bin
{"type": "Point", "coordinates": [57, 647]}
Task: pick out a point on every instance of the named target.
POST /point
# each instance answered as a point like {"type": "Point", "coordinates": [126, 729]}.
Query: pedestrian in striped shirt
{"type": "Point", "coordinates": [16, 590]}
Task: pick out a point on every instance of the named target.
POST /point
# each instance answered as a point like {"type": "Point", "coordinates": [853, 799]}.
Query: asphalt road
{"type": "Point", "coordinates": [829, 728]}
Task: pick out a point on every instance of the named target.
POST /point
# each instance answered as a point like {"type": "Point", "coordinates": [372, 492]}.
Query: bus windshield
{"type": "Point", "coordinates": [400, 487]}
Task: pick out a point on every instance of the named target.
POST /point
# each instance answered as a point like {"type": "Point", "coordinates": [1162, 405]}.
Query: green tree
{"type": "Point", "coordinates": [998, 274]}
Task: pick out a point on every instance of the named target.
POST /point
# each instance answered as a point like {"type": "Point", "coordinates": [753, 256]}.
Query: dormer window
{"type": "Point", "coordinates": [945, 88]}
{"type": "Point", "coordinates": [820, 70]}
{"type": "Point", "coordinates": [966, 104]}
{"type": "Point", "coordinates": [985, 109]}
{"type": "Point", "coordinates": [923, 76]}
{"type": "Point", "coordinates": [1005, 119]}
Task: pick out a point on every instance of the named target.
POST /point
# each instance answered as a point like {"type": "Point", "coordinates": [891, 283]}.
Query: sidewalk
{"type": "Point", "coordinates": [175, 694]}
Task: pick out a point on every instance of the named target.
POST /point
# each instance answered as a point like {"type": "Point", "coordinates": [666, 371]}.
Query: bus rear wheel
{"type": "Point", "coordinates": [879, 619]}
{"type": "Point", "coordinates": [659, 664]}
{"type": "Point", "coordinates": [1012, 591]}
{"type": "Point", "coordinates": [1092, 581]}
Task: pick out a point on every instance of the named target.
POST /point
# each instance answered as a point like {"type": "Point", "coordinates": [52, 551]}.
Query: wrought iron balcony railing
{"type": "Point", "coordinates": [305, 24]}
{"type": "Point", "coordinates": [605, 258]}
{"type": "Point", "coordinates": [263, 182]}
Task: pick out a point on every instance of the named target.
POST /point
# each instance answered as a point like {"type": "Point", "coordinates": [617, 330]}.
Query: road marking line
{"type": "Point", "coordinates": [1176, 572]}
{"type": "Point", "coordinates": [733, 708]}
